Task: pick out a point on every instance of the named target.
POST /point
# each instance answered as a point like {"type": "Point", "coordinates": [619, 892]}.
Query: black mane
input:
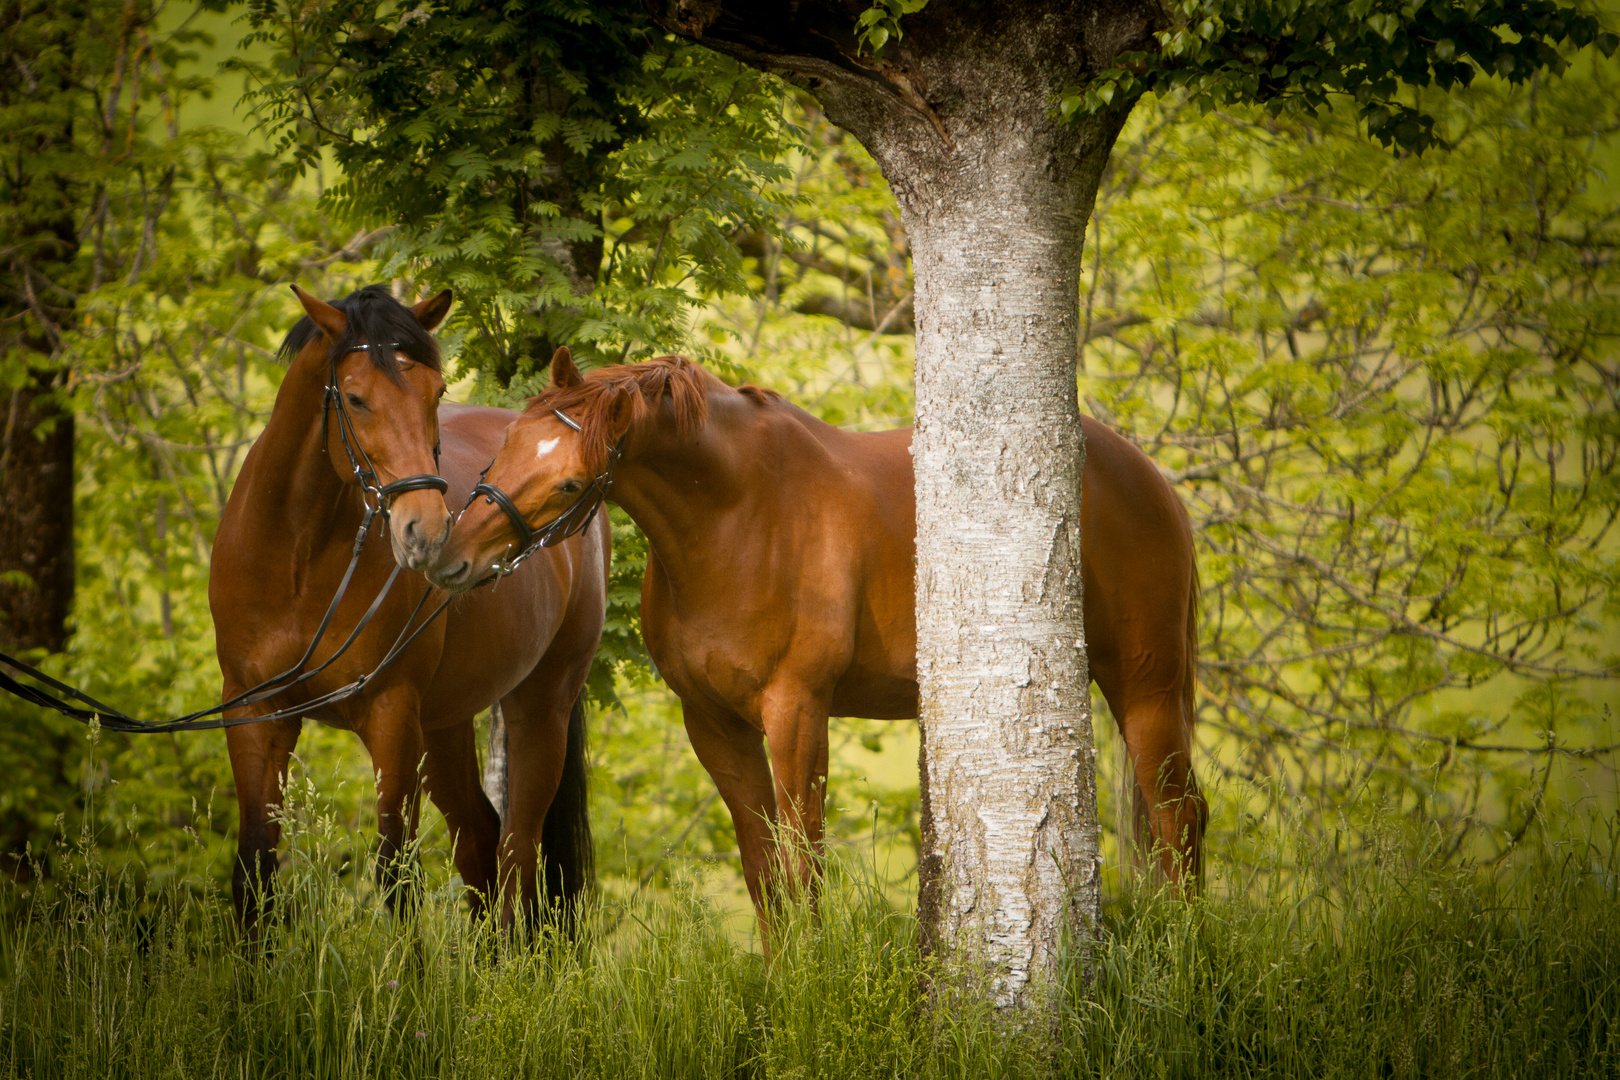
{"type": "Point", "coordinates": [376, 320]}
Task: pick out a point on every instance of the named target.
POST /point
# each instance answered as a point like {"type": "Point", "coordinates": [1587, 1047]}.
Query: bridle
{"type": "Point", "coordinates": [364, 471]}
{"type": "Point", "coordinates": [378, 498]}
{"type": "Point", "coordinates": [573, 520]}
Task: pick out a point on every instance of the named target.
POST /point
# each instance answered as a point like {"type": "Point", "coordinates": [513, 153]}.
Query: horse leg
{"type": "Point", "coordinates": [452, 778]}
{"type": "Point", "coordinates": [393, 735]}
{"type": "Point", "coordinates": [259, 755]}
{"type": "Point", "coordinates": [1169, 810]}
{"type": "Point", "coordinates": [796, 731]}
{"type": "Point", "coordinates": [733, 753]}
{"type": "Point", "coordinates": [536, 743]}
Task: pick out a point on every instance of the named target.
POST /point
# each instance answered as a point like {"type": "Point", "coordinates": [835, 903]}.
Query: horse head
{"type": "Point", "coordinates": [550, 473]}
{"type": "Point", "coordinates": [380, 415]}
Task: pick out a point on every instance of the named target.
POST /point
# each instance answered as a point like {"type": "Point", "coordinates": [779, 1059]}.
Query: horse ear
{"type": "Point", "coordinates": [620, 414]}
{"type": "Point", "coordinates": [431, 311]}
{"type": "Point", "coordinates": [563, 372]}
{"type": "Point", "coordinates": [331, 321]}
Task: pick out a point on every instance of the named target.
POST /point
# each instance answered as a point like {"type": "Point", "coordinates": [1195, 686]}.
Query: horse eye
{"type": "Point", "coordinates": [569, 487]}
{"type": "Point", "coordinates": [356, 401]}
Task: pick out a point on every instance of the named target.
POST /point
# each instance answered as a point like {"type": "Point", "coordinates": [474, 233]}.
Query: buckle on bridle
{"type": "Point", "coordinates": [576, 519]}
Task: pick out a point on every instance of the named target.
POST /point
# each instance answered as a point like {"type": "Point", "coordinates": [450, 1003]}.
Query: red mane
{"type": "Point", "coordinates": [587, 403]}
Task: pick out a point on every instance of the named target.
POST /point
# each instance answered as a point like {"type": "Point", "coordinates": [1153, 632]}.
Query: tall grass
{"type": "Point", "coordinates": [1404, 968]}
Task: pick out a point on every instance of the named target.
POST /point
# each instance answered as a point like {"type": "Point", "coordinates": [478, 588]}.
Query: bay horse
{"type": "Point", "coordinates": [780, 584]}
{"type": "Point", "coordinates": [287, 535]}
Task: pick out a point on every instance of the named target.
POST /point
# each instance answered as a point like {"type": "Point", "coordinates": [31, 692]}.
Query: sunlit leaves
{"type": "Point", "coordinates": [178, 299]}
{"type": "Point", "coordinates": [1388, 387]}
{"type": "Point", "coordinates": [574, 174]}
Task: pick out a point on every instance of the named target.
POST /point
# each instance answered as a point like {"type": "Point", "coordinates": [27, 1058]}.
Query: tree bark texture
{"type": "Point", "coordinates": [994, 192]}
{"type": "Point", "coordinates": [36, 527]}
{"type": "Point", "coordinates": [45, 191]}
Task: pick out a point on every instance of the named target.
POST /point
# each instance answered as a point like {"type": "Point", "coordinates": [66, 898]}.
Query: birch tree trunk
{"type": "Point", "coordinates": [1008, 762]}
{"type": "Point", "coordinates": [994, 192]}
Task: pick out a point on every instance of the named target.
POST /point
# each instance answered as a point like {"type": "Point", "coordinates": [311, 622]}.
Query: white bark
{"type": "Point", "coordinates": [996, 220]}
{"type": "Point", "coordinates": [495, 761]}
{"type": "Point", "coordinates": [994, 192]}
{"type": "Point", "coordinates": [1006, 714]}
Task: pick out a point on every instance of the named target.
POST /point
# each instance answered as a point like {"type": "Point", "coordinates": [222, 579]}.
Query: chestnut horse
{"type": "Point", "coordinates": [285, 539]}
{"type": "Point", "coordinates": [780, 583]}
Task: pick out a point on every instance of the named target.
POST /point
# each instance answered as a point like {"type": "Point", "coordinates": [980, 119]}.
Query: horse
{"type": "Point", "coordinates": [359, 408]}
{"type": "Point", "coordinates": [780, 585]}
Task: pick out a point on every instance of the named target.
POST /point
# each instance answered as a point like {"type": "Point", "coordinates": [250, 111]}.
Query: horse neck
{"type": "Point", "coordinates": [677, 486]}
{"type": "Point", "coordinates": [294, 488]}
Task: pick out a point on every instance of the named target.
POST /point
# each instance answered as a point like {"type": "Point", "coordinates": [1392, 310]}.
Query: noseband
{"type": "Point", "coordinates": [573, 520]}
{"type": "Point", "coordinates": [364, 471]}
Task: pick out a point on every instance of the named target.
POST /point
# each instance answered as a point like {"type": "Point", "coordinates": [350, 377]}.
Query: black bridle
{"type": "Point", "coordinates": [378, 498]}
{"type": "Point", "coordinates": [575, 519]}
{"type": "Point", "coordinates": [366, 473]}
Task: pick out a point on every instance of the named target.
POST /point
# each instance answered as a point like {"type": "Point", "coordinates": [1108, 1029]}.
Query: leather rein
{"type": "Point", "coordinates": [378, 498]}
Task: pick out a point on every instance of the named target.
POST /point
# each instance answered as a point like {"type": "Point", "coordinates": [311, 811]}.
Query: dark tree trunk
{"type": "Point", "coordinates": [36, 531]}
{"type": "Point", "coordinates": [994, 194]}
{"type": "Point", "coordinates": [40, 239]}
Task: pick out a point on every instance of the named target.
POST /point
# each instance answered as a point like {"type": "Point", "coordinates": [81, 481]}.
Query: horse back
{"type": "Point", "coordinates": [1137, 568]}
{"type": "Point", "coordinates": [270, 583]}
{"type": "Point", "coordinates": [1139, 576]}
{"type": "Point", "coordinates": [863, 488]}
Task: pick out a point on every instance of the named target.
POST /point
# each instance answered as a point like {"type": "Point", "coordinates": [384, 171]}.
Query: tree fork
{"type": "Point", "coordinates": [994, 193]}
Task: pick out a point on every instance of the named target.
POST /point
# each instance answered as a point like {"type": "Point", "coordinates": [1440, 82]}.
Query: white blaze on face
{"type": "Point", "coordinates": [544, 447]}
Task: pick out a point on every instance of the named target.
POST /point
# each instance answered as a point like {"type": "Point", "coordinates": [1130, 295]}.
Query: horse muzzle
{"type": "Point", "coordinates": [419, 535]}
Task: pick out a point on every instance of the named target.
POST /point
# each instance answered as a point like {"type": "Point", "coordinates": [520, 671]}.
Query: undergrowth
{"type": "Point", "coordinates": [1406, 967]}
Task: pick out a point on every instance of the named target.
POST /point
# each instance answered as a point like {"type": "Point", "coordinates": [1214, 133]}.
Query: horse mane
{"type": "Point", "coordinates": [647, 384]}
{"type": "Point", "coordinates": [377, 320]}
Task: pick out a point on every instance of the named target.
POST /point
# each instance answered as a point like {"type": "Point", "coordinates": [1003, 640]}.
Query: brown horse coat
{"type": "Point", "coordinates": [284, 540]}
{"type": "Point", "coordinates": [780, 583]}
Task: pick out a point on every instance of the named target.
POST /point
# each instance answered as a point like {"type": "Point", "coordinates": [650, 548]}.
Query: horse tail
{"type": "Point", "coordinates": [1189, 712]}
{"type": "Point", "coordinates": [1189, 682]}
{"type": "Point", "coordinates": [566, 850]}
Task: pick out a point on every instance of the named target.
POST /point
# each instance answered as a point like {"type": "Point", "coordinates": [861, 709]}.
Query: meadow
{"type": "Point", "coordinates": [1408, 965]}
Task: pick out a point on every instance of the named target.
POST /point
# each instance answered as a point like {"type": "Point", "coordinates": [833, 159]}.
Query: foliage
{"type": "Point", "coordinates": [1292, 55]}
{"type": "Point", "coordinates": [1332, 351]}
{"type": "Point", "coordinates": [175, 373]}
{"type": "Point", "coordinates": [880, 23]}
{"type": "Point", "coordinates": [177, 298]}
{"type": "Point", "coordinates": [1407, 969]}
{"type": "Point", "coordinates": [1387, 388]}
{"type": "Point", "coordinates": [575, 175]}
{"type": "Point", "coordinates": [75, 80]}
{"type": "Point", "coordinates": [826, 318]}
